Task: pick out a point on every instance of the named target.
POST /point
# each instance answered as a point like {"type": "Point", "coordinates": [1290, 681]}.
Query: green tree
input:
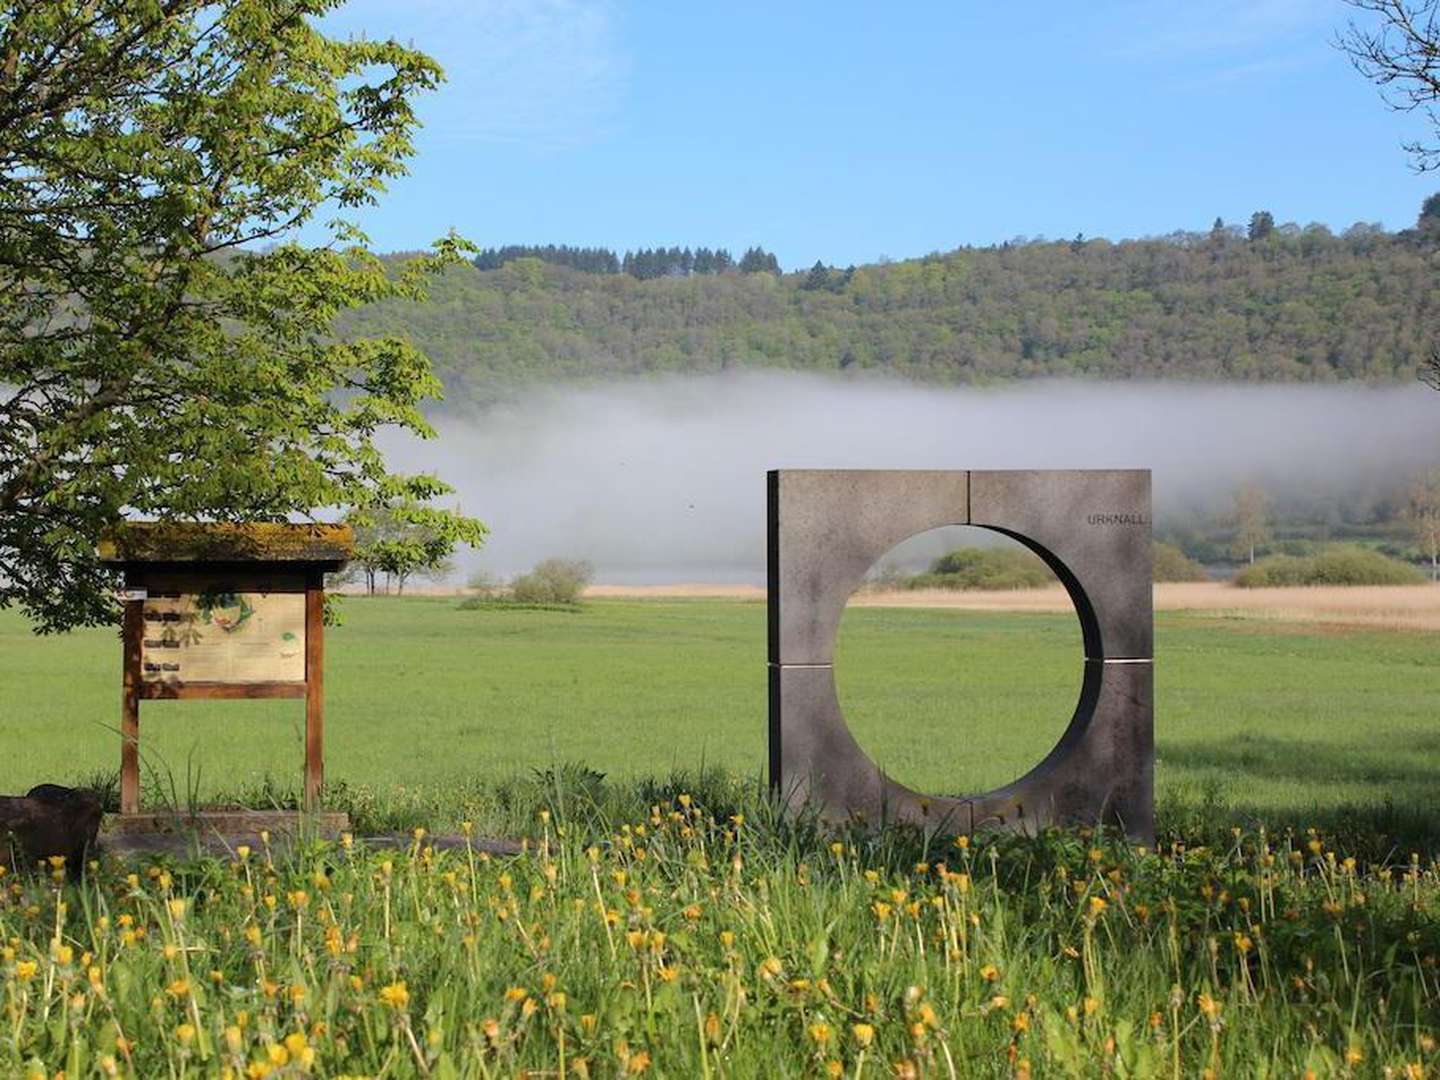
{"type": "Point", "coordinates": [1422, 514]}
{"type": "Point", "coordinates": [759, 261]}
{"type": "Point", "coordinates": [155, 359]}
{"type": "Point", "coordinates": [1262, 225]}
{"type": "Point", "coordinates": [1429, 220]}
{"type": "Point", "coordinates": [1251, 519]}
{"type": "Point", "coordinates": [405, 539]}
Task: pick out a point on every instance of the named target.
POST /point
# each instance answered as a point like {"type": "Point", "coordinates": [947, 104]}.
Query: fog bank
{"type": "Point", "coordinates": [663, 480]}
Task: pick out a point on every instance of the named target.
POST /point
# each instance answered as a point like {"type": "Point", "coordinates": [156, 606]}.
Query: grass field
{"type": "Point", "coordinates": [1265, 718]}
{"type": "Point", "coordinates": [672, 926]}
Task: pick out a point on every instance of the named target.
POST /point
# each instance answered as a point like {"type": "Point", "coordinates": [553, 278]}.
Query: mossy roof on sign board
{"type": "Point", "coordinates": [269, 542]}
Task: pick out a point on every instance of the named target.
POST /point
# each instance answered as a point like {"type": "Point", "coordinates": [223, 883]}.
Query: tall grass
{"type": "Point", "coordinates": [700, 939]}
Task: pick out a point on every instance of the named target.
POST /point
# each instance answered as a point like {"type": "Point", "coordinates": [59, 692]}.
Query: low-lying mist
{"type": "Point", "coordinates": [663, 480]}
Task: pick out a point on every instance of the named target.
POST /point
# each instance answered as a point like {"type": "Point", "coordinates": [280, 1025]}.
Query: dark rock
{"type": "Point", "coordinates": [48, 820]}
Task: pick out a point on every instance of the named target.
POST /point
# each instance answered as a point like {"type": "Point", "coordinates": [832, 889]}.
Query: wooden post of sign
{"type": "Point", "coordinates": [132, 630]}
{"type": "Point", "coordinates": [314, 688]}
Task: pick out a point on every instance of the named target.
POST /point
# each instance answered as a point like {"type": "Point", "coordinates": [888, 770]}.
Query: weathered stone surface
{"type": "Point", "coordinates": [819, 765]}
{"type": "Point", "coordinates": [1093, 528]}
{"type": "Point", "coordinates": [1101, 770]}
{"type": "Point", "coordinates": [827, 528]}
{"type": "Point", "coordinates": [48, 820]}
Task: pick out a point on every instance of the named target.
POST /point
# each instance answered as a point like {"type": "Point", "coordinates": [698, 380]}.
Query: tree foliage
{"type": "Point", "coordinates": [1252, 522]}
{"type": "Point", "coordinates": [644, 263]}
{"type": "Point", "coordinates": [1306, 305]}
{"type": "Point", "coordinates": [154, 359]}
{"type": "Point", "coordinates": [1421, 514]}
{"type": "Point", "coordinates": [403, 539]}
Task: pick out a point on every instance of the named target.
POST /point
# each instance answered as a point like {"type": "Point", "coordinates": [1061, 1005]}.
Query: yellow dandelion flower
{"type": "Point", "coordinates": [989, 972]}
{"type": "Point", "coordinates": [395, 995]}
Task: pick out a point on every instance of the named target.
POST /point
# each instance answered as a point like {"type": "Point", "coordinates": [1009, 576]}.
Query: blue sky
{"type": "Point", "coordinates": [849, 131]}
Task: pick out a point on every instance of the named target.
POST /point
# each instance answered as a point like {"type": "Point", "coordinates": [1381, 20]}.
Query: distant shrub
{"type": "Point", "coordinates": [483, 584]}
{"type": "Point", "coordinates": [1172, 564]}
{"type": "Point", "coordinates": [505, 602]}
{"type": "Point", "coordinates": [1333, 566]}
{"type": "Point", "coordinates": [984, 568]}
{"type": "Point", "coordinates": [553, 581]}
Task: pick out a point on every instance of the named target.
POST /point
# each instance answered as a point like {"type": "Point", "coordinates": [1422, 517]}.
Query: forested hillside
{"type": "Point", "coordinates": [1290, 304]}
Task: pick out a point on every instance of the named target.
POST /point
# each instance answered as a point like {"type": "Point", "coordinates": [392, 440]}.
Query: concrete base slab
{"type": "Point", "coordinates": [328, 824]}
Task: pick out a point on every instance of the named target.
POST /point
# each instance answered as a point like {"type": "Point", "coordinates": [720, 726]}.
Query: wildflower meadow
{"type": "Point", "coordinates": [691, 939]}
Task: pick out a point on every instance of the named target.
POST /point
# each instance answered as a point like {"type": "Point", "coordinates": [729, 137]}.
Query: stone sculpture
{"type": "Point", "coordinates": [1092, 527]}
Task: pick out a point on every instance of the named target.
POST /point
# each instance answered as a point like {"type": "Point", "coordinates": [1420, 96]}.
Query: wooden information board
{"type": "Point", "coordinates": [223, 635]}
{"type": "Point", "coordinates": [214, 611]}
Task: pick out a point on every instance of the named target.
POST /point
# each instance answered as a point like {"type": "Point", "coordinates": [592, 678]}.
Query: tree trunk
{"type": "Point", "coordinates": [48, 820]}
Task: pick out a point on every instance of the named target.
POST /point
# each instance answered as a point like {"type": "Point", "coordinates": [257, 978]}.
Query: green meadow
{"type": "Point", "coordinates": [1262, 719]}
{"type": "Point", "coordinates": [663, 921]}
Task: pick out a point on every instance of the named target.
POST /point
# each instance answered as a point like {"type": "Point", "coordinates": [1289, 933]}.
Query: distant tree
{"type": "Point", "coordinates": [1422, 515]}
{"type": "Point", "coordinates": [1262, 224]}
{"type": "Point", "coordinates": [590, 260]}
{"type": "Point", "coordinates": [1428, 223]}
{"type": "Point", "coordinates": [817, 278]}
{"type": "Point", "coordinates": [1251, 520]}
{"type": "Point", "coordinates": [759, 261]}
{"type": "Point", "coordinates": [1399, 51]}
{"type": "Point", "coordinates": [404, 539]}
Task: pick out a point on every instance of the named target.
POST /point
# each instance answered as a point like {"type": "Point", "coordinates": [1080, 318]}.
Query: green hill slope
{"type": "Point", "coordinates": [1302, 305]}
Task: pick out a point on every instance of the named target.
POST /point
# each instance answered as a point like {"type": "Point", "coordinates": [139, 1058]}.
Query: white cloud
{"type": "Point", "coordinates": [538, 72]}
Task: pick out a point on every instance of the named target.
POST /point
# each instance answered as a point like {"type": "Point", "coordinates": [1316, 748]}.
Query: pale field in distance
{"type": "Point", "coordinates": [1395, 607]}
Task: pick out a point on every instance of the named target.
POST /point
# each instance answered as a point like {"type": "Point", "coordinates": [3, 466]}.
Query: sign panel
{"type": "Point", "coordinates": [223, 636]}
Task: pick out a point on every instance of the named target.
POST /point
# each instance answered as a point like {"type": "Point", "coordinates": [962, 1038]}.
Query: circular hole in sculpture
{"type": "Point", "coordinates": [958, 664]}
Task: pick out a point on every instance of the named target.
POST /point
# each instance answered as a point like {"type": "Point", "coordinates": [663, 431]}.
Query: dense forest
{"type": "Point", "coordinates": [1268, 302]}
